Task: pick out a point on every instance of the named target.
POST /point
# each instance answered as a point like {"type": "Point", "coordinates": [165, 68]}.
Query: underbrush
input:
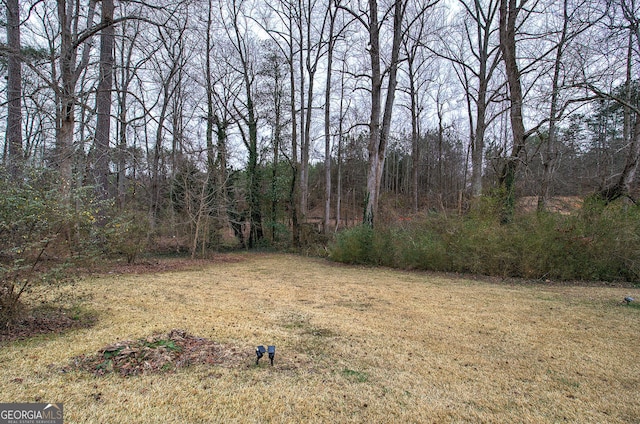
{"type": "Point", "coordinates": [600, 242]}
{"type": "Point", "coordinates": [45, 233]}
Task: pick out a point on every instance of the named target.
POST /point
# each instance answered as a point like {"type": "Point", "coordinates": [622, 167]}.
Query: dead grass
{"type": "Point", "coordinates": [353, 345]}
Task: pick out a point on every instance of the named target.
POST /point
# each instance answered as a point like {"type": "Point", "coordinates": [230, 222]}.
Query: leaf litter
{"type": "Point", "coordinates": [157, 354]}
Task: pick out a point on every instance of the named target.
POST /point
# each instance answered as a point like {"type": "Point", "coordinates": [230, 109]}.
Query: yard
{"type": "Point", "coordinates": [353, 344]}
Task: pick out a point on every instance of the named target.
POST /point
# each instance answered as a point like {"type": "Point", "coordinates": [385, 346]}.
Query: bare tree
{"type": "Point", "coordinates": [73, 59]}
{"type": "Point", "coordinates": [332, 39]}
{"type": "Point", "coordinates": [573, 24]}
{"type": "Point", "coordinates": [241, 41]}
{"type": "Point", "coordinates": [272, 70]}
{"type": "Point", "coordinates": [103, 100]}
{"type": "Point", "coordinates": [71, 40]}
{"type": "Point", "coordinates": [380, 119]}
{"type": "Point", "coordinates": [623, 183]}
{"type": "Point", "coordinates": [416, 51]}
{"type": "Point", "coordinates": [476, 73]}
{"type": "Point", "coordinates": [216, 153]}
{"type": "Point", "coordinates": [209, 91]}
{"type": "Point", "coordinates": [14, 90]}
{"type": "Point", "coordinates": [130, 58]}
{"type": "Point", "coordinates": [343, 110]}
{"type": "Point", "coordinates": [169, 63]}
{"type": "Point", "coordinates": [509, 10]}
{"type": "Point", "coordinates": [311, 21]}
{"type": "Point", "coordinates": [281, 29]}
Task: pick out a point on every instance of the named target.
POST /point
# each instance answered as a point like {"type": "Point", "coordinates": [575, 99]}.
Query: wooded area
{"type": "Point", "coordinates": [207, 124]}
{"type": "Point", "coordinates": [485, 152]}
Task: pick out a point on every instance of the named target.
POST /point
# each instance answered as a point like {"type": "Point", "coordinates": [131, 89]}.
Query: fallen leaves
{"type": "Point", "coordinates": [45, 320]}
{"type": "Point", "coordinates": [157, 354]}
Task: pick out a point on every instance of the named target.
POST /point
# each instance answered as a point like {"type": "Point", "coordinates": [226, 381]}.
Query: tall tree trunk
{"type": "Point", "coordinates": [251, 142]}
{"type": "Point", "coordinates": [14, 91]}
{"type": "Point", "coordinates": [221, 146]}
{"type": "Point", "coordinates": [415, 133]}
{"type": "Point", "coordinates": [274, 179]}
{"type": "Point", "coordinates": [103, 100]}
{"type": "Point", "coordinates": [225, 196]}
{"type": "Point", "coordinates": [216, 178]}
{"type": "Point", "coordinates": [66, 100]}
{"type": "Point", "coordinates": [441, 179]}
{"type": "Point", "coordinates": [476, 155]}
{"type": "Point", "coordinates": [277, 136]}
{"type": "Point", "coordinates": [487, 64]}
{"type": "Point", "coordinates": [302, 172]}
{"type": "Point", "coordinates": [339, 181]}
{"type": "Point", "coordinates": [211, 159]}
{"type": "Point", "coordinates": [170, 88]}
{"type": "Point", "coordinates": [201, 218]}
{"type": "Point", "coordinates": [122, 82]}
{"type": "Point", "coordinates": [549, 158]}
{"type": "Point", "coordinates": [507, 179]}
{"type": "Point", "coordinates": [157, 161]}
{"type": "Point", "coordinates": [327, 126]}
{"type": "Point", "coordinates": [371, 196]}
{"type": "Point", "coordinates": [304, 151]}
{"type": "Point", "coordinates": [122, 141]}
{"type": "Point", "coordinates": [379, 133]}
{"type": "Point", "coordinates": [622, 186]}
{"type": "Point", "coordinates": [294, 192]}
{"type": "Point", "coordinates": [477, 147]}
{"type": "Point", "coordinates": [70, 71]}
{"type": "Point", "coordinates": [255, 213]}
{"type": "Point", "coordinates": [339, 153]}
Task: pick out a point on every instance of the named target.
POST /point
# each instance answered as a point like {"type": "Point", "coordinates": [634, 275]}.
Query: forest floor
{"type": "Point", "coordinates": [174, 341]}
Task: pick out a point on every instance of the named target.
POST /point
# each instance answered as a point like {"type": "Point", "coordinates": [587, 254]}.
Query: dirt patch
{"type": "Point", "coordinates": [46, 320]}
{"type": "Point", "coordinates": [157, 354]}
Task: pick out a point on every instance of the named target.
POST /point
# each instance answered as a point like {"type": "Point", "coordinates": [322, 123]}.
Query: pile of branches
{"type": "Point", "coordinates": [156, 354]}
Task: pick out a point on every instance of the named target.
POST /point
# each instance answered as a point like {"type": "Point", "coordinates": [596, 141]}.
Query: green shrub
{"type": "Point", "coordinates": [41, 232]}
{"type": "Point", "coordinates": [611, 234]}
{"type": "Point", "coordinates": [600, 242]}
{"type": "Point", "coordinates": [423, 250]}
{"type": "Point", "coordinates": [127, 234]}
{"type": "Point", "coordinates": [353, 246]}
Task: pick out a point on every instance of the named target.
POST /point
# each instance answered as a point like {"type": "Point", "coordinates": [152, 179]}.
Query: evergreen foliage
{"type": "Point", "coordinates": [601, 242]}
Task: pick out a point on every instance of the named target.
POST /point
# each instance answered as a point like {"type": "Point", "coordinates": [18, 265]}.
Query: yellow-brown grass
{"type": "Point", "coordinates": [353, 345]}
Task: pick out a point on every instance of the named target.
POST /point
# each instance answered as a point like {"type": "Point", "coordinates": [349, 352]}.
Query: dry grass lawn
{"type": "Point", "coordinates": [353, 345]}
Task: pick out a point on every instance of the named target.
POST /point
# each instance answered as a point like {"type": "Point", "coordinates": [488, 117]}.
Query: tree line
{"type": "Point", "coordinates": [208, 122]}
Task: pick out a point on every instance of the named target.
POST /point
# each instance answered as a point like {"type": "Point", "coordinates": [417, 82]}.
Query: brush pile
{"type": "Point", "coordinates": [157, 354]}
